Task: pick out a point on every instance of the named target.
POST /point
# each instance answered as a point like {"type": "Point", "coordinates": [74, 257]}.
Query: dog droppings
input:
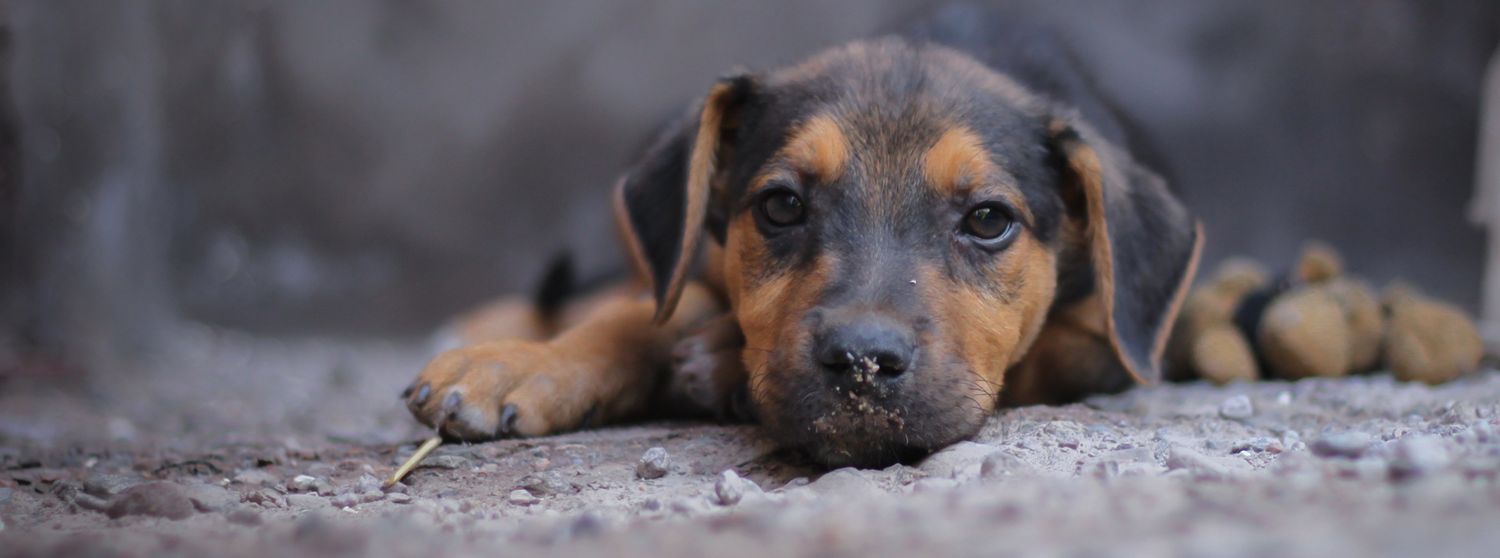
{"type": "Point", "coordinates": [655, 463]}
{"type": "Point", "coordinates": [1237, 408]}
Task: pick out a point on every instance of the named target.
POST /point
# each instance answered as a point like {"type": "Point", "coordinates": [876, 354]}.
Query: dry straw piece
{"type": "Point", "coordinates": [421, 453]}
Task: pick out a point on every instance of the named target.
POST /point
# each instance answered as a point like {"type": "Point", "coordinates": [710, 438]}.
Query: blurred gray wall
{"type": "Point", "coordinates": [374, 166]}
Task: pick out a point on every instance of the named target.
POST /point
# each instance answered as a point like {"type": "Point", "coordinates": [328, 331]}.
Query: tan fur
{"type": "Point", "coordinates": [990, 333]}
{"type": "Point", "coordinates": [957, 161]}
{"type": "Point", "coordinates": [764, 307]}
{"type": "Point", "coordinates": [604, 366]}
{"type": "Point", "coordinates": [518, 318]}
{"type": "Point", "coordinates": [1061, 364]}
{"type": "Point", "coordinates": [818, 149]}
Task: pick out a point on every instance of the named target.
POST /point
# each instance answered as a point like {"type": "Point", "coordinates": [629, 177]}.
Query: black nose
{"type": "Point", "coordinates": [866, 349]}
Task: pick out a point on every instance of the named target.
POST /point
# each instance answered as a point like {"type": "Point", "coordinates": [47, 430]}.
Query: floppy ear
{"type": "Point", "coordinates": [1144, 244]}
{"type": "Point", "coordinates": [661, 204]}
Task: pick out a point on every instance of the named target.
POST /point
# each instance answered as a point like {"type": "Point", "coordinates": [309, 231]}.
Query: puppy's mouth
{"type": "Point", "coordinates": [867, 424]}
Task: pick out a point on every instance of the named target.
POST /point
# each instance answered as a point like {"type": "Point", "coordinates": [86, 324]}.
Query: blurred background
{"type": "Point", "coordinates": [365, 169]}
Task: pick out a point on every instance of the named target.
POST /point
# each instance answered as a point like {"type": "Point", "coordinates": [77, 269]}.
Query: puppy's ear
{"type": "Point", "coordinates": [1144, 244]}
{"type": "Point", "coordinates": [661, 204]}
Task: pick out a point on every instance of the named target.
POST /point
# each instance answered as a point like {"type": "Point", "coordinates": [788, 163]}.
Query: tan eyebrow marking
{"type": "Point", "coordinates": [957, 160]}
{"type": "Point", "coordinates": [818, 147]}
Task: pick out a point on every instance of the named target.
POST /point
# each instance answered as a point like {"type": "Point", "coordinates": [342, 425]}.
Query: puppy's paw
{"type": "Point", "coordinates": [501, 389]}
{"type": "Point", "coordinates": [708, 373]}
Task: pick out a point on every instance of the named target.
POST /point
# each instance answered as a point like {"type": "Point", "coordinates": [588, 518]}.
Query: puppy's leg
{"type": "Point", "coordinates": [708, 371]}
{"type": "Point", "coordinates": [607, 368]}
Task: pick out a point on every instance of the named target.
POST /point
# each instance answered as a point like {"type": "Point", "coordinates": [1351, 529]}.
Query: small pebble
{"type": "Point", "coordinates": [546, 483]}
{"type": "Point", "coordinates": [963, 460]}
{"type": "Point", "coordinates": [243, 516]}
{"type": "Point", "coordinates": [106, 485]}
{"type": "Point", "coordinates": [302, 483]}
{"type": "Point", "coordinates": [1182, 458]}
{"type": "Point", "coordinates": [211, 498]}
{"type": "Point", "coordinates": [1236, 408]}
{"type": "Point", "coordinates": [844, 483]}
{"type": "Point", "coordinates": [346, 500]}
{"type": "Point", "coordinates": [521, 497]}
{"type": "Point", "coordinates": [934, 485]}
{"type": "Point", "coordinates": [305, 501]}
{"type": "Point", "coordinates": [156, 499]}
{"type": "Point", "coordinates": [255, 477]}
{"type": "Point", "coordinates": [1001, 464]}
{"type": "Point", "coordinates": [446, 462]}
{"type": "Point", "coordinates": [1418, 455]}
{"type": "Point", "coordinates": [1350, 444]}
{"type": "Point", "coordinates": [1256, 445]}
{"type": "Point", "coordinates": [83, 500]}
{"type": "Point", "coordinates": [654, 464]}
{"type": "Point", "coordinates": [730, 488]}
{"type": "Point", "coordinates": [368, 482]}
{"type": "Point", "coordinates": [398, 498]}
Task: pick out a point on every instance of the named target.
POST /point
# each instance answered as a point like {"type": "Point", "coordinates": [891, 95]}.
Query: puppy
{"type": "Point", "coordinates": [868, 252]}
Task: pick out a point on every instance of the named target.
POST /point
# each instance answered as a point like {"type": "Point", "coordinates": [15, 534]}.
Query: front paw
{"type": "Point", "coordinates": [500, 389]}
{"type": "Point", "coordinates": [708, 375]}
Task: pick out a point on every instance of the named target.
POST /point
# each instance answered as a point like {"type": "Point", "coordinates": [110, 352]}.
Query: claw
{"type": "Point", "coordinates": [422, 394]}
{"type": "Point", "coordinates": [508, 419]}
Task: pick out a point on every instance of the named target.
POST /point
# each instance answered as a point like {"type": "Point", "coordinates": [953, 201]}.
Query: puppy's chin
{"type": "Point", "coordinates": [839, 442]}
{"type": "Point", "coordinates": [839, 429]}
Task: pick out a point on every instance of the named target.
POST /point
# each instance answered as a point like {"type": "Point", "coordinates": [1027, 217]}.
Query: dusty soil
{"type": "Point", "coordinates": [227, 445]}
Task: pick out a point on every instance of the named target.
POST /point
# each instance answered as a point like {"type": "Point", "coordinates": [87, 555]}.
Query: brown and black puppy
{"type": "Point", "coordinates": [878, 245]}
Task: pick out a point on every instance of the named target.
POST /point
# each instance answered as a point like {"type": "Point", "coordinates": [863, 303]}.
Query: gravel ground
{"type": "Point", "coordinates": [234, 446]}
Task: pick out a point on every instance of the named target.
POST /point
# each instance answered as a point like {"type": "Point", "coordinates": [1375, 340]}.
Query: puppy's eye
{"type": "Point", "coordinates": [990, 224]}
{"type": "Point", "coordinates": [782, 208]}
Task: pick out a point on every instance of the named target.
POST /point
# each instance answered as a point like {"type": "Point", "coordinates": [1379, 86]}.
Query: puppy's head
{"type": "Point", "coordinates": [896, 224]}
